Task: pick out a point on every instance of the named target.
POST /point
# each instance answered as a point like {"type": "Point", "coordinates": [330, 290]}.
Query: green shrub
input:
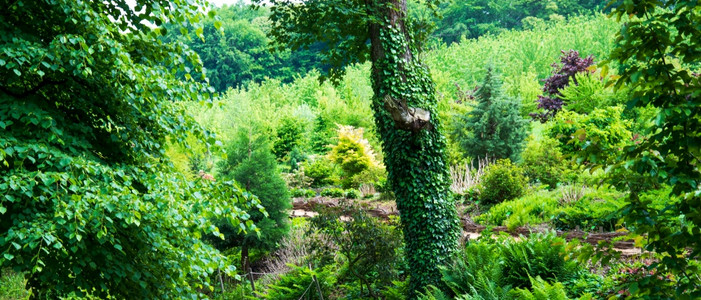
{"type": "Point", "coordinates": [320, 169]}
{"type": "Point", "coordinates": [602, 133]}
{"type": "Point", "coordinates": [303, 193]}
{"type": "Point", "coordinates": [503, 268]}
{"type": "Point", "coordinates": [332, 192]}
{"type": "Point", "coordinates": [532, 209]}
{"type": "Point", "coordinates": [298, 284]}
{"type": "Point", "coordinates": [370, 248]}
{"type": "Point", "coordinates": [541, 289]}
{"type": "Point", "coordinates": [353, 194]}
{"type": "Point", "coordinates": [539, 255]}
{"type": "Point", "coordinates": [502, 181]}
{"type": "Point", "coordinates": [543, 162]}
{"type": "Point", "coordinates": [12, 285]}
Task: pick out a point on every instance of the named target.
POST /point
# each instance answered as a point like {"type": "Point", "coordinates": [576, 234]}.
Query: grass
{"type": "Point", "coordinates": [12, 286]}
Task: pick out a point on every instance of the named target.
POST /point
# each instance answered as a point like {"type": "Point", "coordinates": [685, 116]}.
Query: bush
{"type": "Point", "coordinates": [353, 194]}
{"type": "Point", "coordinates": [298, 284]}
{"type": "Point", "coordinates": [532, 209]}
{"type": "Point", "coordinates": [303, 193]}
{"type": "Point", "coordinates": [543, 162]}
{"type": "Point", "coordinates": [370, 248]}
{"type": "Point", "coordinates": [320, 169]}
{"type": "Point", "coordinates": [598, 136]}
{"type": "Point", "coordinates": [332, 192]}
{"type": "Point", "coordinates": [352, 153]}
{"type": "Point", "coordinates": [505, 268]}
{"type": "Point", "coordinates": [502, 181]}
{"type": "Point", "coordinates": [12, 285]}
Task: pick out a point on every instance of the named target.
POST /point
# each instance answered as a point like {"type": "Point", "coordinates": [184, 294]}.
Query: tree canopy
{"type": "Point", "coordinates": [89, 98]}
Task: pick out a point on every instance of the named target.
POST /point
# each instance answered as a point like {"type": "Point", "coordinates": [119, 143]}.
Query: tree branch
{"type": "Point", "coordinates": [408, 118]}
{"type": "Point", "coordinates": [32, 90]}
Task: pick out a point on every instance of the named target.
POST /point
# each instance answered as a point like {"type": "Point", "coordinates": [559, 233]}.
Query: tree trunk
{"type": "Point", "coordinates": [244, 258]}
{"type": "Point", "coordinates": [414, 153]}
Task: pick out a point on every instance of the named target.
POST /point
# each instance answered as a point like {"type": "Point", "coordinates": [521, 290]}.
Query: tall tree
{"type": "Point", "coordinates": [659, 48]}
{"type": "Point", "coordinates": [404, 105]}
{"type": "Point", "coordinates": [252, 164]}
{"type": "Point", "coordinates": [90, 203]}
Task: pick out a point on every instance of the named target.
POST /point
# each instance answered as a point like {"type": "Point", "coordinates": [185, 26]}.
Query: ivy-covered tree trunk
{"type": "Point", "coordinates": [406, 118]}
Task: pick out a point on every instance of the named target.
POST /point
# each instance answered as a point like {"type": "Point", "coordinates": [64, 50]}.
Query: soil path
{"type": "Point", "coordinates": [305, 208]}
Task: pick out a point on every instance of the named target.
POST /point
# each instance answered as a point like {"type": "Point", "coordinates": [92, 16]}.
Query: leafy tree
{"type": "Point", "coordinates": [235, 49]}
{"type": "Point", "coordinates": [494, 128]}
{"type": "Point", "coordinates": [369, 246]}
{"type": "Point", "coordinates": [404, 104]}
{"type": "Point", "coordinates": [90, 203]}
{"type": "Point", "coordinates": [561, 76]}
{"type": "Point", "coordinates": [658, 48]}
{"type": "Point", "coordinates": [252, 163]}
{"type": "Point", "coordinates": [475, 18]}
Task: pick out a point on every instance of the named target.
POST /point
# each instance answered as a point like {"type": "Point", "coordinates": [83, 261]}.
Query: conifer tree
{"type": "Point", "coordinates": [494, 128]}
{"type": "Point", "coordinates": [252, 164]}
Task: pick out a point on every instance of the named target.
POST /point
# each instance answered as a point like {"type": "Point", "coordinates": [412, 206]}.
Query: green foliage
{"type": "Point", "coordinates": [290, 135]}
{"type": "Point", "coordinates": [591, 92]}
{"type": "Point", "coordinates": [533, 209]}
{"type": "Point", "coordinates": [603, 132]}
{"type": "Point", "coordinates": [12, 285]}
{"type": "Point", "coordinates": [332, 192]}
{"type": "Point", "coordinates": [502, 181]}
{"type": "Point", "coordinates": [543, 162]}
{"type": "Point", "coordinates": [304, 193]}
{"type": "Point", "coordinates": [658, 49]}
{"type": "Point", "coordinates": [320, 169]}
{"type": "Point", "coordinates": [352, 154]}
{"type": "Point", "coordinates": [89, 97]}
{"type": "Point", "coordinates": [503, 269]}
{"type": "Point", "coordinates": [352, 194]}
{"type": "Point", "coordinates": [475, 18]}
{"type": "Point", "coordinates": [523, 58]}
{"type": "Point", "coordinates": [595, 208]}
{"type": "Point", "coordinates": [234, 49]}
{"type": "Point", "coordinates": [298, 284]}
{"type": "Point", "coordinates": [251, 163]}
{"type": "Point", "coordinates": [494, 128]}
{"type": "Point", "coordinates": [541, 289]}
{"type": "Point", "coordinates": [369, 247]}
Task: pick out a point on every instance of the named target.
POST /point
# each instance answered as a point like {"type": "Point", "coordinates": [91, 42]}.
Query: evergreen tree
{"type": "Point", "coordinates": [494, 128]}
{"type": "Point", "coordinates": [252, 163]}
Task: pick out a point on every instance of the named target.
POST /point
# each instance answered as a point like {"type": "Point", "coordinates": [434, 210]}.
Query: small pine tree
{"type": "Point", "coordinates": [251, 163]}
{"type": "Point", "coordinates": [494, 127]}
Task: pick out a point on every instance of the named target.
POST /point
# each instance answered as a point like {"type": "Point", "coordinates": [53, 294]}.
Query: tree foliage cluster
{"type": "Point", "coordinates": [475, 18]}
{"type": "Point", "coordinates": [89, 97]}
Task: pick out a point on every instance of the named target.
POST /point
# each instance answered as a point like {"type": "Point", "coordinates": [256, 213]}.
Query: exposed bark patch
{"type": "Point", "coordinates": [408, 118]}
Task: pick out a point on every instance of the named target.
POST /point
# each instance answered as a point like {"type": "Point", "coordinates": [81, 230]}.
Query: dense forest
{"type": "Point", "coordinates": [347, 149]}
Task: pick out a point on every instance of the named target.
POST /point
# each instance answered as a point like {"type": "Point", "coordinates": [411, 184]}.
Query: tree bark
{"type": "Point", "coordinates": [414, 156]}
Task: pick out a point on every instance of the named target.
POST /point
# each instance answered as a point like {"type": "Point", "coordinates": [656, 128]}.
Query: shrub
{"type": "Point", "coordinates": [353, 194]}
{"type": "Point", "coordinates": [320, 169]}
{"type": "Point", "coordinates": [370, 248]}
{"type": "Point", "coordinates": [532, 209]}
{"type": "Point", "coordinates": [332, 192]}
{"type": "Point", "coordinates": [302, 193]}
{"type": "Point", "coordinates": [494, 127]}
{"type": "Point", "coordinates": [299, 284]}
{"type": "Point", "coordinates": [601, 133]}
{"type": "Point", "coordinates": [502, 181]}
{"type": "Point", "coordinates": [352, 153]}
{"type": "Point", "coordinates": [543, 162]}
{"type": "Point", "coordinates": [12, 285]}
{"type": "Point", "coordinates": [504, 269]}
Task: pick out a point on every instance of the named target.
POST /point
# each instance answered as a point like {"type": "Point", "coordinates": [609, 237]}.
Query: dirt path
{"type": "Point", "coordinates": [305, 208]}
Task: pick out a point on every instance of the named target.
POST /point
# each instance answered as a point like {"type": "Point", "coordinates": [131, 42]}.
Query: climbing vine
{"type": "Point", "coordinates": [404, 106]}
